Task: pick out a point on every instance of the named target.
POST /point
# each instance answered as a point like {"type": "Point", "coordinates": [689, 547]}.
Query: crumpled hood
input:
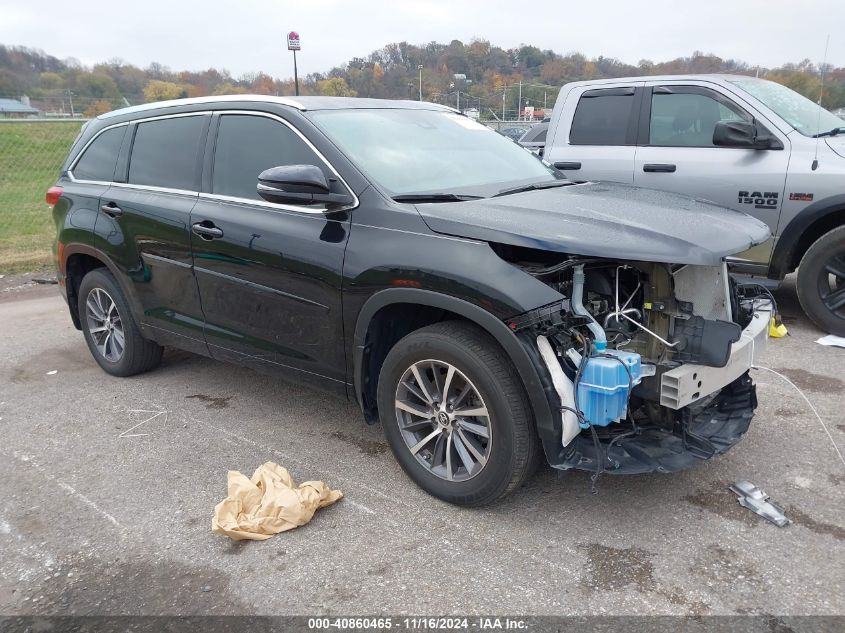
{"type": "Point", "coordinates": [605, 220]}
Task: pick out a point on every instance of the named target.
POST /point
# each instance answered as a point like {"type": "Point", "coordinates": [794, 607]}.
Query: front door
{"type": "Point", "coordinates": [600, 142]}
{"type": "Point", "coordinates": [269, 275]}
{"type": "Point", "coordinates": [677, 154]}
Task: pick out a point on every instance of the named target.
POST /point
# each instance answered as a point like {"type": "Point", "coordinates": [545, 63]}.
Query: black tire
{"type": "Point", "coordinates": [138, 354]}
{"type": "Point", "coordinates": [514, 448]}
{"type": "Point", "coordinates": [819, 298]}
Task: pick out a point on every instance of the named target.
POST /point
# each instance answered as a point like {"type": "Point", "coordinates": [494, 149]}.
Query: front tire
{"type": "Point", "coordinates": [110, 330]}
{"type": "Point", "coordinates": [821, 282]}
{"type": "Point", "coordinates": [456, 415]}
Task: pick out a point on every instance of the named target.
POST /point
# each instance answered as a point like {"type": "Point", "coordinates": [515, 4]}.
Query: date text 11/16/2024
{"type": "Point", "coordinates": [420, 623]}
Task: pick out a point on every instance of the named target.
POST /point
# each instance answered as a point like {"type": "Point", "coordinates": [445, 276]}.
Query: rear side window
{"type": "Point", "coordinates": [687, 118]}
{"type": "Point", "coordinates": [246, 146]}
{"type": "Point", "coordinates": [164, 153]}
{"type": "Point", "coordinates": [98, 161]}
{"type": "Point", "coordinates": [602, 118]}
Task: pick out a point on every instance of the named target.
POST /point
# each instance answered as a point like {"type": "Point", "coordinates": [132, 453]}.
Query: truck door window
{"type": "Point", "coordinates": [603, 117]}
{"type": "Point", "coordinates": [686, 117]}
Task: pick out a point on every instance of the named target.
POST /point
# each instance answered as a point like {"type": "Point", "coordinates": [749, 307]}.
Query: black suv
{"type": "Point", "coordinates": [483, 308]}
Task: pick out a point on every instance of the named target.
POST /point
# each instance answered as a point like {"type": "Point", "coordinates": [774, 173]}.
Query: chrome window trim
{"type": "Point", "coordinates": [321, 210]}
{"type": "Point", "coordinates": [272, 206]}
{"type": "Point", "coordinates": [126, 185]}
{"type": "Point", "coordinates": [182, 192]}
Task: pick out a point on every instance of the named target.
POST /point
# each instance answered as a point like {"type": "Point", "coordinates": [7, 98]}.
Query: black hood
{"type": "Point", "coordinates": [605, 220]}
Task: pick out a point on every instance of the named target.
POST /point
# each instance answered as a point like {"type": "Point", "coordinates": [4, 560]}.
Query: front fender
{"type": "Point", "coordinates": [538, 390]}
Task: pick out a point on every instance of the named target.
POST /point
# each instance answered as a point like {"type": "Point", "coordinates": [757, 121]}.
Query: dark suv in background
{"type": "Point", "coordinates": [480, 306]}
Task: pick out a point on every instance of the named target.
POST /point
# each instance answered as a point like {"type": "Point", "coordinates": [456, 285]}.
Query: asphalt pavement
{"type": "Point", "coordinates": [109, 486]}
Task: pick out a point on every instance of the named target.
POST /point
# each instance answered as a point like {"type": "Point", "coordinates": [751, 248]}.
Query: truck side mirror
{"type": "Point", "coordinates": [743, 134]}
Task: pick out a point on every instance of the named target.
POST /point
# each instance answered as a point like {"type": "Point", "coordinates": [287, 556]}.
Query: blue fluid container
{"type": "Point", "coordinates": [603, 388]}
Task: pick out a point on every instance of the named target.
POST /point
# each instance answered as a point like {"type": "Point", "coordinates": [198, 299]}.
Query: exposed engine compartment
{"type": "Point", "coordinates": [624, 335]}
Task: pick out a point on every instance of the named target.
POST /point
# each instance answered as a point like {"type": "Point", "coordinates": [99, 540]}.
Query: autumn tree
{"type": "Point", "coordinates": [98, 107]}
{"type": "Point", "coordinates": [157, 90]}
{"type": "Point", "coordinates": [98, 86]}
{"type": "Point", "coordinates": [335, 87]}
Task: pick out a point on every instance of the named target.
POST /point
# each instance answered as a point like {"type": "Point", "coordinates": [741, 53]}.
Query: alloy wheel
{"type": "Point", "coordinates": [443, 420]}
{"type": "Point", "coordinates": [832, 285]}
{"type": "Point", "coordinates": [105, 325]}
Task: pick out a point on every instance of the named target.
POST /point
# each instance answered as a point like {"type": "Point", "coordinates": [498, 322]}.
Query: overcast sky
{"type": "Point", "coordinates": [247, 35]}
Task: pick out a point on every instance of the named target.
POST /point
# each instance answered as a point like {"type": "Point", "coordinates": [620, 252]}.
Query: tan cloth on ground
{"type": "Point", "coordinates": [268, 503]}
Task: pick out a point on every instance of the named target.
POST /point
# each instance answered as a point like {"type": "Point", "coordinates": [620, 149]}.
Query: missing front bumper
{"type": "Point", "coordinates": [702, 432]}
{"type": "Point", "coordinates": [690, 382]}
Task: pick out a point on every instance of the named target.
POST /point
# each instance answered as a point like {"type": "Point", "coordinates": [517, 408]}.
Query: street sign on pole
{"type": "Point", "coordinates": [293, 41]}
{"type": "Point", "coordinates": [294, 45]}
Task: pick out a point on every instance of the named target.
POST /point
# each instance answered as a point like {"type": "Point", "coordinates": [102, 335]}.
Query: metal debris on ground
{"type": "Point", "coordinates": [832, 341]}
{"type": "Point", "coordinates": [751, 497]}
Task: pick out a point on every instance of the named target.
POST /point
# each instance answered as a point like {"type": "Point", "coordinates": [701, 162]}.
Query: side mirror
{"type": "Point", "coordinates": [743, 134]}
{"type": "Point", "coordinates": [299, 185]}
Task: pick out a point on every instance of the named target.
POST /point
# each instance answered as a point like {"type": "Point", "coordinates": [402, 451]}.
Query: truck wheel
{"type": "Point", "coordinates": [110, 330]}
{"type": "Point", "coordinates": [821, 282]}
{"type": "Point", "coordinates": [455, 414]}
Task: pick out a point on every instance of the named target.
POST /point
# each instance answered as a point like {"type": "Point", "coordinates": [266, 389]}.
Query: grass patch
{"type": "Point", "coordinates": [31, 155]}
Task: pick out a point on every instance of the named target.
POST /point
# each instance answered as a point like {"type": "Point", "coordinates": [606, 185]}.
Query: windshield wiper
{"type": "Point", "coordinates": [532, 187]}
{"type": "Point", "coordinates": [434, 197]}
{"type": "Point", "coordinates": [833, 132]}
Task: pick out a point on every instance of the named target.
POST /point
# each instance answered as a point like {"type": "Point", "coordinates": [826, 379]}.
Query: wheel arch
{"type": "Point", "coordinates": [368, 355]}
{"type": "Point", "coordinates": [804, 229]}
{"type": "Point", "coordinates": [76, 261]}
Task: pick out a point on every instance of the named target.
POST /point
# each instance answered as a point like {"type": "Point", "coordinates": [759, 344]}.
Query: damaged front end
{"type": "Point", "coordinates": [647, 362]}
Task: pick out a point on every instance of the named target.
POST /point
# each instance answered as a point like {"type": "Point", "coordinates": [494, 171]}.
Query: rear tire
{"type": "Point", "coordinates": [472, 459]}
{"type": "Point", "coordinates": [821, 282]}
{"type": "Point", "coordinates": [110, 330]}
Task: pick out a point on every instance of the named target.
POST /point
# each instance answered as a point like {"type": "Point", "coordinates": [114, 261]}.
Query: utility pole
{"type": "Point", "coordinates": [504, 92]}
{"type": "Point", "coordinates": [419, 68]}
{"type": "Point", "coordinates": [294, 45]}
{"type": "Point", "coordinates": [70, 97]}
{"type": "Point", "coordinates": [459, 77]}
{"type": "Point", "coordinates": [519, 103]}
{"type": "Point", "coordinates": [295, 75]}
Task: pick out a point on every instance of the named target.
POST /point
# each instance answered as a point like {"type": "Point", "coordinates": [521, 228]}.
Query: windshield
{"type": "Point", "coordinates": [795, 109]}
{"type": "Point", "coordinates": [430, 151]}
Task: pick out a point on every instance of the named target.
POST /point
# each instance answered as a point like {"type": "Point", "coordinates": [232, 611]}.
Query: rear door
{"type": "Point", "coordinates": [677, 154]}
{"type": "Point", "coordinates": [144, 224]}
{"type": "Point", "coordinates": [597, 133]}
{"type": "Point", "coordinates": [269, 274]}
{"type": "Point", "coordinates": [90, 177]}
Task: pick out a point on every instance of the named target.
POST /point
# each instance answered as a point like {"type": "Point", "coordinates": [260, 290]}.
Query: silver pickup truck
{"type": "Point", "coordinates": [745, 143]}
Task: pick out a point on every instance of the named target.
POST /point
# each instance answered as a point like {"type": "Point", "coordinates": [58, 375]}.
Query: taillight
{"type": "Point", "coordinates": [53, 195]}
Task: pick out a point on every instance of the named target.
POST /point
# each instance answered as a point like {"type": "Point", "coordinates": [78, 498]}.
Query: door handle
{"type": "Point", "coordinates": [660, 168]}
{"type": "Point", "coordinates": [206, 230]}
{"type": "Point", "coordinates": [112, 210]}
{"type": "Point", "coordinates": [568, 166]}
